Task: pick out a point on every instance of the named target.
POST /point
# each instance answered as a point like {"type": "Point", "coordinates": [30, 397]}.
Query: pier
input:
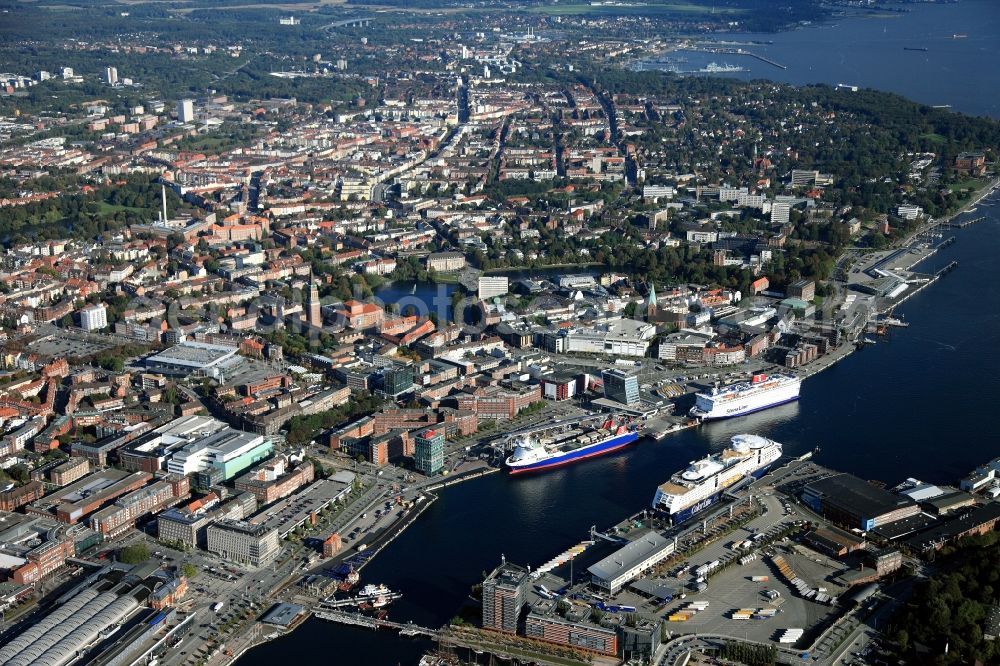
{"type": "Point", "coordinates": [333, 604]}
{"type": "Point", "coordinates": [744, 52]}
{"type": "Point", "coordinates": [947, 269]}
{"type": "Point", "coordinates": [953, 224]}
{"type": "Point", "coordinates": [373, 623]}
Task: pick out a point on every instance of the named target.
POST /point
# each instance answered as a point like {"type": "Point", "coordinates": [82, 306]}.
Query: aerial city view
{"type": "Point", "coordinates": [555, 332]}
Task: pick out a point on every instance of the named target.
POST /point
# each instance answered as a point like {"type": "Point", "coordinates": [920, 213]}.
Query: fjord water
{"type": "Point", "coordinates": [957, 69]}
{"type": "Point", "coordinates": [919, 403]}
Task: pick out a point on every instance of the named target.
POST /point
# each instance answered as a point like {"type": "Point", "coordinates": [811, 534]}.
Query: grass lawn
{"type": "Point", "coordinates": [108, 209]}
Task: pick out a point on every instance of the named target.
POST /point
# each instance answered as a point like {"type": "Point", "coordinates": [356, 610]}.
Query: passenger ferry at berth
{"type": "Point", "coordinates": [761, 392]}
{"type": "Point", "coordinates": [702, 483]}
{"type": "Point", "coordinates": [532, 456]}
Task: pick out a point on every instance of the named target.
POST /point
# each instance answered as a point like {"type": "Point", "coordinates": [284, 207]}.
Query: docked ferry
{"type": "Point", "coordinates": [761, 392]}
{"type": "Point", "coordinates": [702, 483]}
{"type": "Point", "coordinates": [532, 456]}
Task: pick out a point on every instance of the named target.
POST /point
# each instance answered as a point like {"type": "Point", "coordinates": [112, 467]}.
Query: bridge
{"type": "Point", "coordinates": [373, 623]}
{"type": "Point", "coordinates": [357, 22]}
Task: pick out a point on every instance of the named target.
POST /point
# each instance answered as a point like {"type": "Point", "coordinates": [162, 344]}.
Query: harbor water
{"type": "Point", "coordinates": [919, 403]}
{"type": "Point", "coordinates": [884, 52]}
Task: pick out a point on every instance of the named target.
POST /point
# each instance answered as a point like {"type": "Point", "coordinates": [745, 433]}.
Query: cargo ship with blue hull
{"type": "Point", "coordinates": [531, 455]}
{"type": "Point", "coordinates": [703, 482]}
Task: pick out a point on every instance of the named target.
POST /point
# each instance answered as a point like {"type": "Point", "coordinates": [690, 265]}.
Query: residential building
{"type": "Point", "coordinates": [185, 110]}
{"type": "Point", "coordinates": [94, 317]}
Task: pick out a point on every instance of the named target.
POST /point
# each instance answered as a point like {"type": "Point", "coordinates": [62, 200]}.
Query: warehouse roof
{"type": "Point", "coordinates": [637, 552]}
{"type": "Point", "coordinates": [856, 495]}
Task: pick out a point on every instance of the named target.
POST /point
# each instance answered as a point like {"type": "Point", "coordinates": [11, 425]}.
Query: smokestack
{"type": "Point", "coordinates": [163, 196]}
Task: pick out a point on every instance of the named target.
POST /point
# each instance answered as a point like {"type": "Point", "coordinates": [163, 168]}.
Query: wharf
{"type": "Point", "coordinates": [373, 623]}
{"type": "Point", "coordinates": [333, 604]}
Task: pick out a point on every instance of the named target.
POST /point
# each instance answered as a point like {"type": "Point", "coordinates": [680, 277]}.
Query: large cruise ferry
{"type": "Point", "coordinates": [761, 392]}
{"type": "Point", "coordinates": [703, 482]}
{"type": "Point", "coordinates": [531, 456]}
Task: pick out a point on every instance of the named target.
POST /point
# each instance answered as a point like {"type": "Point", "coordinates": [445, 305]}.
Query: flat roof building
{"type": "Point", "coordinates": [228, 452]}
{"type": "Point", "coordinates": [855, 503]}
{"type": "Point", "coordinates": [188, 358]}
{"type": "Point", "coordinates": [621, 567]}
{"type": "Point", "coordinates": [246, 543]}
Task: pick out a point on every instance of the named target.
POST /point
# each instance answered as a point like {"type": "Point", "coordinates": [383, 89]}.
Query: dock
{"type": "Point", "coordinates": [373, 623]}
{"type": "Point", "coordinates": [332, 604]}
{"type": "Point", "coordinates": [947, 269]}
{"type": "Point", "coordinates": [953, 224]}
{"type": "Point", "coordinates": [751, 54]}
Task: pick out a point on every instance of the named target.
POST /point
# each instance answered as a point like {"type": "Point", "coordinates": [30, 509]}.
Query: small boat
{"type": "Point", "coordinates": [869, 341]}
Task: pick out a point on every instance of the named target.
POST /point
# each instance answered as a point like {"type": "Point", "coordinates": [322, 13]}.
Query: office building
{"type": "Point", "coordinates": [491, 287]}
{"type": "Point", "coordinates": [185, 110]}
{"type": "Point", "coordinates": [428, 453]}
{"type": "Point", "coordinates": [503, 597]}
{"type": "Point", "coordinates": [621, 386]}
{"type": "Point", "coordinates": [575, 629]}
{"type": "Point", "coordinates": [111, 75]}
{"type": "Point", "coordinates": [395, 381]}
{"type": "Point", "coordinates": [94, 317]}
{"type": "Point", "coordinates": [243, 542]}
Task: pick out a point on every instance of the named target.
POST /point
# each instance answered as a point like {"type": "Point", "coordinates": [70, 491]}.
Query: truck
{"type": "Point", "coordinates": [759, 579]}
{"type": "Point", "coordinates": [362, 547]}
{"type": "Point", "coordinates": [217, 606]}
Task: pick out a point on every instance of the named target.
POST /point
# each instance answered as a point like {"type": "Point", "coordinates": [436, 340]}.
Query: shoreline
{"type": "Point", "coordinates": [830, 360]}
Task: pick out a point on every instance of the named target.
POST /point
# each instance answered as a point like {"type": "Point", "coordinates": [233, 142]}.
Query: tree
{"type": "Point", "coordinates": [19, 473]}
{"type": "Point", "coordinates": [134, 554]}
{"type": "Point", "coordinates": [189, 570]}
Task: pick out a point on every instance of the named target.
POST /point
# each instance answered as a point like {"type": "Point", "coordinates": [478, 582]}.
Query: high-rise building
{"type": "Point", "coordinates": [503, 597]}
{"type": "Point", "coordinates": [780, 212]}
{"type": "Point", "coordinates": [185, 110]}
{"type": "Point", "coordinates": [490, 287]}
{"type": "Point", "coordinates": [428, 453]}
{"type": "Point", "coordinates": [313, 314]}
{"type": "Point", "coordinates": [111, 75]}
{"type": "Point", "coordinates": [621, 386]}
{"type": "Point", "coordinates": [94, 317]}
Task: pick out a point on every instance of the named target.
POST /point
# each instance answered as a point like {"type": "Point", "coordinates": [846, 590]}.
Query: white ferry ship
{"type": "Point", "coordinates": [761, 392]}
{"type": "Point", "coordinates": [703, 482]}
